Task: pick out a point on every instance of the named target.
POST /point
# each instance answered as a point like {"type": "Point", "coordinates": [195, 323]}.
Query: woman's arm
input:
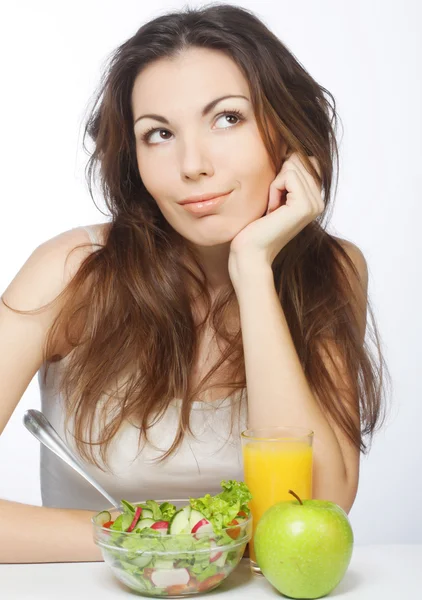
{"type": "Point", "coordinates": [33, 533]}
{"type": "Point", "coordinates": [278, 392]}
{"type": "Point", "coordinates": [37, 534]}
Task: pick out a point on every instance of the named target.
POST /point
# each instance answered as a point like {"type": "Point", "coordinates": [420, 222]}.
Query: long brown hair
{"type": "Point", "coordinates": [133, 294]}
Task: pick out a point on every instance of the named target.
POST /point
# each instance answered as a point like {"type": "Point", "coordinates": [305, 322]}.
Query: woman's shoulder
{"type": "Point", "coordinates": [46, 273]}
{"type": "Point", "coordinates": [97, 232]}
{"type": "Point", "coordinates": [358, 280]}
{"type": "Point", "coordinates": [68, 249]}
{"type": "Point", "coordinates": [73, 245]}
{"type": "Point", "coordinates": [81, 235]}
{"type": "Point", "coordinates": [52, 264]}
{"type": "Point", "coordinates": [357, 257]}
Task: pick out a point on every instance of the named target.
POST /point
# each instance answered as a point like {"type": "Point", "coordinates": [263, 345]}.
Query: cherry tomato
{"type": "Point", "coordinates": [190, 586]}
{"type": "Point", "coordinates": [108, 524]}
{"type": "Point", "coordinates": [233, 533]}
{"type": "Point", "coordinates": [174, 590]}
{"type": "Point", "coordinates": [210, 582]}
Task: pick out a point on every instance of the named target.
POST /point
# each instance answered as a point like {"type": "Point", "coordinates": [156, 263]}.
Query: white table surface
{"type": "Point", "coordinates": [384, 572]}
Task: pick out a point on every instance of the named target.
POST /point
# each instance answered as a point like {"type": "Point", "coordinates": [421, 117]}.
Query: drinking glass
{"type": "Point", "coordinates": [275, 460]}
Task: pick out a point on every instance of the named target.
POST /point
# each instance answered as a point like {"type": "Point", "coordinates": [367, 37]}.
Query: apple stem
{"type": "Point", "coordinates": [296, 496]}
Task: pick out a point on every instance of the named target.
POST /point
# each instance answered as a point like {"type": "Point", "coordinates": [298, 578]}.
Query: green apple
{"type": "Point", "coordinates": [304, 547]}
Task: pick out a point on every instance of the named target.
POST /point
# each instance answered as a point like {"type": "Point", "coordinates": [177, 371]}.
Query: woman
{"type": "Point", "coordinates": [154, 325]}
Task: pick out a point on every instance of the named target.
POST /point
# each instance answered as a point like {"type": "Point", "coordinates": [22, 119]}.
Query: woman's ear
{"type": "Point", "coordinates": [284, 150]}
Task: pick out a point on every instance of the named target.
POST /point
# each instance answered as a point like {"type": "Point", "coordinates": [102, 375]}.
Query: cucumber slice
{"type": "Point", "coordinates": [180, 521]}
{"type": "Point", "coordinates": [163, 564]}
{"type": "Point", "coordinates": [195, 517]}
{"type": "Point", "coordinates": [132, 581]}
{"type": "Point", "coordinates": [142, 523]}
{"type": "Point", "coordinates": [142, 560]}
{"type": "Point", "coordinates": [103, 517]}
{"type": "Point", "coordinates": [147, 514]}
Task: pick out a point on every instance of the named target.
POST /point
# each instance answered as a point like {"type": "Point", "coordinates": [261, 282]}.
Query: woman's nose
{"type": "Point", "coordinates": [195, 161]}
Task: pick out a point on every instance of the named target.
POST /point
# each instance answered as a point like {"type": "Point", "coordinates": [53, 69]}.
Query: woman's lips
{"type": "Point", "coordinates": [206, 206]}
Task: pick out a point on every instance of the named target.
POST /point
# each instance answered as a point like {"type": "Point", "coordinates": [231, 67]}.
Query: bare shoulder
{"type": "Point", "coordinates": [50, 267]}
{"type": "Point", "coordinates": [359, 286]}
{"type": "Point", "coordinates": [100, 231]}
{"type": "Point", "coordinates": [358, 259]}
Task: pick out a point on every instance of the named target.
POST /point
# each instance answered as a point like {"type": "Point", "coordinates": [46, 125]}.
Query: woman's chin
{"type": "Point", "coordinates": [210, 242]}
{"type": "Point", "coordinates": [209, 238]}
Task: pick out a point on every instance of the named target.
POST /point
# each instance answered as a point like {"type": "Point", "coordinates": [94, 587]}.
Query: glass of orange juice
{"type": "Point", "coordinates": [275, 460]}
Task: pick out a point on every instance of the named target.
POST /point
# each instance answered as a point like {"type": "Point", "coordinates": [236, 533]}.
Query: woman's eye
{"type": "Point", "coordinates": [230, 115]}
{"type": "Point", "coordinates": [149, 136]}
{"type": "Point", "coordinates": [153, 136]}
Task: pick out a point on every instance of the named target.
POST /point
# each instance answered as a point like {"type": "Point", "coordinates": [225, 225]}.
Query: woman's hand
{"type": "Point", "coordinates": [264, 238]}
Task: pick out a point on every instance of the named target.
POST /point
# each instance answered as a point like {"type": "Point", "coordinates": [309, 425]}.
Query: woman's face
{"type": "Point", "coordinates": [192, 153]}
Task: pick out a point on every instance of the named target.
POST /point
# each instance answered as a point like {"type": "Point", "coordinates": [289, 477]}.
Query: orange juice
{"type": "Point", "coordinates": [271, 469]}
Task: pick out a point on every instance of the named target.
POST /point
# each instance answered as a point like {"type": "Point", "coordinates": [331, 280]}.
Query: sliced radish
{"type": "Point", "coordinates": [195, 517]}
{"type": "Point", "coordinates": [167, 577]}
{"type": "Point", "coordinates": [204, 531]}
{"type": "Point", "coordinates": [200, 524]}
{"type": "Point", "coordinates": [220, 562]}
{"type": "Point", "coordinates": [215, 554]}
{"type": "Point", "coordinates": [135, 519]}
{"type": "Point", "coordinates": [161, 526]}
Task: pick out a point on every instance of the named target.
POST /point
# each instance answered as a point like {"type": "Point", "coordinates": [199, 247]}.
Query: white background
{"type": "Point", "coordinates": [367, 53]}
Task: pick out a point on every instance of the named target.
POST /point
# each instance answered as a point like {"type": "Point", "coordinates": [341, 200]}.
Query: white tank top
{"type": "Point", "coordinates": [201, 462]}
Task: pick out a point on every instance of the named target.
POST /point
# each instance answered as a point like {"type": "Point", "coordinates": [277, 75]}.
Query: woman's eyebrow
{"type": "Point", "coordinates": [205, 110]}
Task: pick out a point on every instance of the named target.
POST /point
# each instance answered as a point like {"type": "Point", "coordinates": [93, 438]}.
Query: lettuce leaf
{"type": "Point", "coordinates": [143, 543]}
{"type": "Point", "coordinates": [128, 507]}
{"type": "Point", "coordinates": [122, 522]}
{"type": "Point", "coordinates": [221, 509]}
{"type": "Point", "coordinates": [167, 511]}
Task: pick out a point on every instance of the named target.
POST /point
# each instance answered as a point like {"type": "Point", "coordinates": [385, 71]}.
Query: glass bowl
{"type": "Point", "coordinates": [172, 565]}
